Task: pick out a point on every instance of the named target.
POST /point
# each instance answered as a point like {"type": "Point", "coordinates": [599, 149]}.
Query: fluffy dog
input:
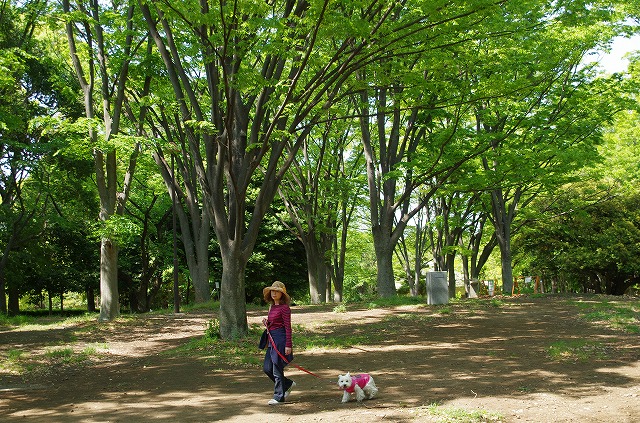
{"type": "Point", "coordinates": [362, 385]}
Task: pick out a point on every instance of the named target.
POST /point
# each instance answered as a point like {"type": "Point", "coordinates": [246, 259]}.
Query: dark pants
{"type": "Point", "coordinates": [274, 366]}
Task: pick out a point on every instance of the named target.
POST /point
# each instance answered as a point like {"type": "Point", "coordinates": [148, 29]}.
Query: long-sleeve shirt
{"type": "Point", "coordinates": [280, 317]}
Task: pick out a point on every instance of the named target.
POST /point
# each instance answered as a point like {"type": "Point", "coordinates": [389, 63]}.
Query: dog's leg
{"type": "Point", "coordinates": [372, 389]}
{"type": "Point", "coordinates": [345, 396]}
{"type": "Point", "coordinates": [359, 393]}
{"type": "Point", "coordinates": [369, 392]}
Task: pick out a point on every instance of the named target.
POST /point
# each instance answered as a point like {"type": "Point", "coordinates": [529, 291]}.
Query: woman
{"type": "Point", "coordinates": [278, 325]}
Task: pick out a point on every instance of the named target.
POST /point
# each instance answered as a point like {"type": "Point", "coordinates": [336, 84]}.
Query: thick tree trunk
{"type": "Point", "coordinates": [109, 299]}
{"type": "Point", "coordinates": [507, 271]}
{"type": "Point", "coordinates": [199, 270]}
{"type": "Point", "coordinates": [233, 308]}
{"type": "Point", "coordinates": [91, 300]}
{"type": "Point", "coordinates": [384, 262]}
{"type": "Point", "coordinates": [3, 274]}
{"type": "Point", "coordinates": [316, 271]}
{"type": "Point", "coordinates": [504, 244]}
{"type": "Point", "coordinates": [14, 301]}
{"type": "Point", "coordinates": [502, 217]}
{"type": "Point", "coordinates": [338, 265]}
{"type": "Point", "coordinates": [338, 289]}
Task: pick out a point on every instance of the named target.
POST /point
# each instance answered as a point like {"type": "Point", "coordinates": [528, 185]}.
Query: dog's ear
{"type": "Point", "coordinates": [348, 374]}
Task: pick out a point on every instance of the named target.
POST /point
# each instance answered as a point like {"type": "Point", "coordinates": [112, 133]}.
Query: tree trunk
{"type": "Point", "coordinates": [109, 299]}
{"type": "Point", "coordinates": [451, 274]}
{"type": "Point", "coordinates": [199, 264]}
{"type": "Point", "coordinates": [339, 254]}
{"type": "Point", "coordinates": [465, 272]}
{"type": "Point", "coordinates": [317, 273]}
{"type": "Point", "coordinates": [91, 300]}
{"type": "Point", "coordinates": [233, 308]}
{"type": "Point", "coordinates": [14, 301]}
{"type": "Point", "coordinates": [507, 272]}
{"type": "Point", "coordinates": [195, 227]}
{"type": "Point", "coordinates": [3, 294]}
{"type": "Point", "coordinates": [502, 217]}
{"type": "Point", "coordinates": [384, 263]}
{"type": "Point", "coordinates": [417, 264]}
{"type": "Point", "coordinates": [94, 78]}
{"type": "Point", "coordinates": [3, 273]}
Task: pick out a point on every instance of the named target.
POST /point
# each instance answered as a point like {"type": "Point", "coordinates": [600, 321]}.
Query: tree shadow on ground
{"type": "Point", "coordinates": [417, 355]}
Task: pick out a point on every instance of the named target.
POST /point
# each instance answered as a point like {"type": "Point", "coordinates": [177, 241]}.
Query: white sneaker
{"type": "Point", "coordinates": [275, 402]}
{"type": "Point", "coordinates": [286, 394]}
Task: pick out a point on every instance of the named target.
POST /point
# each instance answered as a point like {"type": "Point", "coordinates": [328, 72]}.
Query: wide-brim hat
{"type": "Point", "coordinates": [276, 286]}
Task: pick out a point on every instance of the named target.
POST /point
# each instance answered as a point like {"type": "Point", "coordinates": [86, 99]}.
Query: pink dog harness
{"type": "Point", "coordinates": [360, 380]}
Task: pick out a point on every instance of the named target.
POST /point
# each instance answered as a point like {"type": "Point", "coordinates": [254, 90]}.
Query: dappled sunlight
{"type": "Point", "coordinates": [475, 357]}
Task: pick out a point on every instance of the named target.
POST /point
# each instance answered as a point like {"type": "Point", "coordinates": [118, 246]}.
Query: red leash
{"type": "Point", "coordinates": [273, 344]}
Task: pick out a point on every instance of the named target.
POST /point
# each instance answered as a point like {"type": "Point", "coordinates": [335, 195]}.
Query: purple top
{"type": "Point", "coordinates": [280, 317]}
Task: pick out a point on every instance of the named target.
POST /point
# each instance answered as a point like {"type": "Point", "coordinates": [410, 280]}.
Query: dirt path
{"type": "Point", "coordinates": [480, 358]}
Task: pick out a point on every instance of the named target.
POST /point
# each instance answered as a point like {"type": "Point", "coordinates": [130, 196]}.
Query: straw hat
{"type": "Point", "coordinates": [276, 286]}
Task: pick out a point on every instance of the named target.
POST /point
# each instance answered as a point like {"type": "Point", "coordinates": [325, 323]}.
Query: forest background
{"type": "Point", "coordinates": [155, 154]}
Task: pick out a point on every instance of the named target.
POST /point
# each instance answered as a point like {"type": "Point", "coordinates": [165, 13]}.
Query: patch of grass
{"type": "Point", "coordinates": [12, 361]}
{"type": "Point", "coordinates": [27, 323]}
{"type": "Point", "coordinates": [306, 339]}
{"type": "Point", "coordinates": [62, 354]}
{"type": "Point", "coordinates": [242, 351]}
{"type": "Point", "coordinates": [340, 308]}
{"type": "Point", "coordinates": [19, 362]}
{"type": "Point", "coordinates": [394, 301]}
{"type": "Point", "coordinates": [15, 321]}
{"type": "Point", "coordinates": [577, 350]}
{"type": "Point", "coordinates": [619, 315]}
{"type": "Point", "coordinates": [476, 303]}
{"type": "Point", "coordinates": [460, 415]}
{"type": "Point", "coordinates": [444, 310]}
{"type": "Point", "coordinates": [68, 355]}
{"type": "Point", "coordinates": [496, 303]}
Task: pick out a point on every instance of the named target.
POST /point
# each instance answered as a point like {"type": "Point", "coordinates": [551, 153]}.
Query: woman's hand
{"type": "Point", "coordinates": [265, 321]}
{"type": "Point", "coordinates": [288, 350]}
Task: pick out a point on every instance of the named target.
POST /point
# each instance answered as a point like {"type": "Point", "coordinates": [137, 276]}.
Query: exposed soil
{"type": "Point", "coordinates": [470, 357]}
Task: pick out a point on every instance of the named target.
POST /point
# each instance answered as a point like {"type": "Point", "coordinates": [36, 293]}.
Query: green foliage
{"type": "Point", "coordinates": [477, 77]}
{"type": "Point", "coordinates": [278, 255]}
{"type": "Point", "coordinates": [589, 236]}
{"type": "Point", "coordinates": [360, 268]}
{"type": "Point", "coordinates": [212, 330]}
{"type": "Point", "coordinates": [591, 243]}
{"type": "Point", "coordinates": [340, 308]}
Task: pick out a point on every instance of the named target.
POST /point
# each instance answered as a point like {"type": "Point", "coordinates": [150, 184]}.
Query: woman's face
{"type": "Point", "coordinates": [276, 296]}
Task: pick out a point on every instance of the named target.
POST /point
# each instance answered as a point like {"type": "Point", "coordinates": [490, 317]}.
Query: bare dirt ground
{"type": "Point", "coordinates": [473, 357]}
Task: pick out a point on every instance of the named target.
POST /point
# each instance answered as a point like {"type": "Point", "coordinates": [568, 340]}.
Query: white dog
{"type": "Point", "coordinates": [363, 386]}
